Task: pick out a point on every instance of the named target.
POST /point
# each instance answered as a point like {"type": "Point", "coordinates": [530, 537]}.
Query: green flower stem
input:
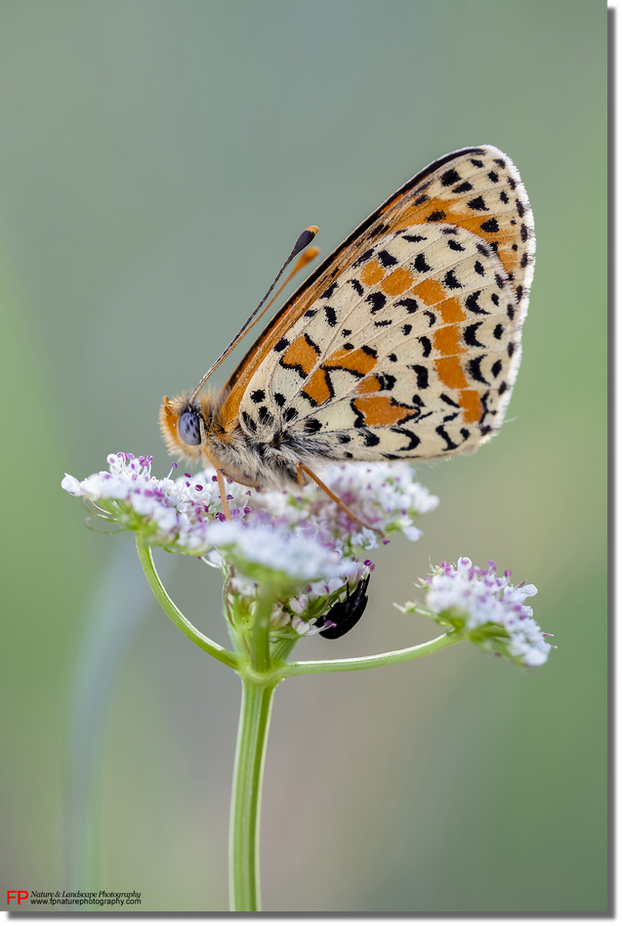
{"type": "Point", "coordinates": [244, 886]}
{"type": "Point", "coordinates": [260, 643]}
{"type": "Point", "coordinates": [218, 652]}
{"type": "Point", "coordinates": [371, 662]}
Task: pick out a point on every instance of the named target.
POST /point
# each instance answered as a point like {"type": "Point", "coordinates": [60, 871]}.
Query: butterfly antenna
{"type": "Point", "coordinates": [305, 238]}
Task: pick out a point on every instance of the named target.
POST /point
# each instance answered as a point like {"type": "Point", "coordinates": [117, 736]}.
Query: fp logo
{"type": "Point", "coordinates": [16, 895]}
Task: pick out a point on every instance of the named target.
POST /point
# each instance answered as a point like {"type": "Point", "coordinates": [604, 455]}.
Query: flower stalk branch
{"type": "Point", "coordinates": [189, 630]}
{"type": "Point", "coordinates": [372, 662]}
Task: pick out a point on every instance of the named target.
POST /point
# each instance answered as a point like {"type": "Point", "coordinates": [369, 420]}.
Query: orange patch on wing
{"type": "Point", "coordinates": [368, 385]}
{"type": "Point", "coordinates": [372, 273]}
{"type": "Point", "coordinates": [380, 411]}
{"type": "Point", "coordinates": [470, 404]}
{"type": "Point", "coordinates": [447, 340]}
{"type": "Point", "coordinates": [430, 291]}
{"type": "Point", "coordinates": [356, 360]}
{"type": "Point", "coordinates": [301, 353]}
{"type": "Point", "coordinates": [450, 372]}
{"type": "Point", "coordinates": [451, 311]}
{"type": "Point", "coordinates": [456, 212]}
{"type": "Point", "coordinates": [397, 282]}
{"type": "Point", "coordinates": [317, 388]}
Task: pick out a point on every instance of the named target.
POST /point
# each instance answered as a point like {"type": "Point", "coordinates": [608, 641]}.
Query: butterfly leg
{"type": "Point", "coordinates": [223, 494]}
{"type": "Point", "coordinates": [303, 468]}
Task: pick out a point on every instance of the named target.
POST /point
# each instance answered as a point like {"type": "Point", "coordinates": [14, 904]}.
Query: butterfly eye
{"type": "Point", "coordinates": [189, 429]}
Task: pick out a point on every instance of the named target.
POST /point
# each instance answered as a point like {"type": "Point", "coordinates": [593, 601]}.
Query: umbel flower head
{"type": "Point", "coordinates": [488, 608]}
{"type": "Point", "coordinates": [302, 544]}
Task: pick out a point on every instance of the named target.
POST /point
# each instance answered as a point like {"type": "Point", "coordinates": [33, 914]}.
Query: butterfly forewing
{"type": "Point", "coordinates": [406, 341]}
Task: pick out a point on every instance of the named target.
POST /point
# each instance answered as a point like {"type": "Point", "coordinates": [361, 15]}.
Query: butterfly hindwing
{"type": "Point", "coordinates": [406, 342]}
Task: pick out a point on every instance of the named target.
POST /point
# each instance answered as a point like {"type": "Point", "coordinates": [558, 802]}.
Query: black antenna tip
{"type": "Point", "coordinates": [305, 238]}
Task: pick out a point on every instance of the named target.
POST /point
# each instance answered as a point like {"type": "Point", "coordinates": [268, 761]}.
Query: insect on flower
{"type": "Point", "coordinates": [403, 344]}
{"type": "Point", "coordinates": [344, 615]}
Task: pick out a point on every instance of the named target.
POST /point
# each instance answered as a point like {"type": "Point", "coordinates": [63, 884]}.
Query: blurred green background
{"type": "Point", "coordinates": [158, 160]}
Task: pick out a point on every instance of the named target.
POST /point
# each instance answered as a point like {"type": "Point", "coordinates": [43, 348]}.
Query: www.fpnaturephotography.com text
{"type": "Point", "coordinates": [81, 898]}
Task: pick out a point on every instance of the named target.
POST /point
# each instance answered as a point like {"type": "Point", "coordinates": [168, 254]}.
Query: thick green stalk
{"type": "Point", "coordinates": [244, 885]}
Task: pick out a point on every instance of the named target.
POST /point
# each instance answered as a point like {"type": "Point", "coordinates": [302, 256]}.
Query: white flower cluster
{"type": "Point", "coordinates": [174, 513]}
{"type": "Point", "coordinates": [482, 598]}
{"type": "Point", "coordinates": [303, 535]}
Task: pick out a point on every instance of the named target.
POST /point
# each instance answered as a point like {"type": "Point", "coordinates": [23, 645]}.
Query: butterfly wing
{"type": "Point", "coordinates": [405, 342]}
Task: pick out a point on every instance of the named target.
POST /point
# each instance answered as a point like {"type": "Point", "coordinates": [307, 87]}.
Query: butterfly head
{"type": "Point", "coordinates": [185, 424]}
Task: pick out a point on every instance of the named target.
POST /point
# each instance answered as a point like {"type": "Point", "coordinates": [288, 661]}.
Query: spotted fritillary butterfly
{"type": "Point", "coordinates": [403, 344]}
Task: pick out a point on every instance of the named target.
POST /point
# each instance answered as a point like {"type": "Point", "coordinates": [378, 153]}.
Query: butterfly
{"type": "Point", "coordinates": [404, 343]}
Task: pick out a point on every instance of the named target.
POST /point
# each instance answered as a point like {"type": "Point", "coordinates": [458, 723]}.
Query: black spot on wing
{"type": "Point", "coordinates": [313, 425]}
{"type": "Point", "coordinates": [411, 305]}
{"type": "Point", "coordinates": [440, 430]}
{"type": "Point", "coordinates": [363, 258]}
{"type": "Point", "coordinates": [478, 205]}
{"type": "Point", "coordinates": [474, 368]}
{"type": "Point", "coordinates": [377, 301]}
{"type": "Point", "coordinates": [331, 315]}
{"type": "Point", "coordinates": [420, 264]}
{"type": "Point", "coordinates": [422, 375]}
{"type": "Point", "coordinates": [413, 439]}
{"type": "Point", "coordinates": [386, 259]}
{"type": "Point", "coordinates": [472, 304]}
{"type": "Point", "coordinates": [450, 281]}
{"type": "Point", "coordinates": [450, 176]}
{"type": "Point", "coordinates": [470, 335]}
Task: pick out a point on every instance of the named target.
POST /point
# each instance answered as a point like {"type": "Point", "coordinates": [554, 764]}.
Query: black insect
{"type": "Point", "coordinates": [345, 614]}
